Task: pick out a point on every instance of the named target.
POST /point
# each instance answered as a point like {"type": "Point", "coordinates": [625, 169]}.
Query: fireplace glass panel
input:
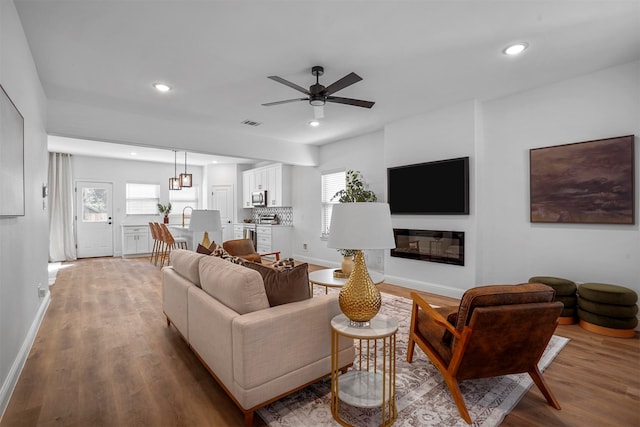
{"type": "Point", "coordinates": [429, 245]}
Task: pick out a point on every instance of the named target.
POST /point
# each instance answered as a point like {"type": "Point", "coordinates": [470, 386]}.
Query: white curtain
{"type": "Point", "coordinates": [62, 242]}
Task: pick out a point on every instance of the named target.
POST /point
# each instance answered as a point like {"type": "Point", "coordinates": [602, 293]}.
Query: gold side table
{"type": "Point", "coordinates": [373, 383]}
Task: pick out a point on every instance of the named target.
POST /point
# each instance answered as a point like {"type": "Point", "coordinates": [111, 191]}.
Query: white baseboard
{"type": "Point", "coordinates": [18, 364]}
{"type": "Point", "coordinates": [432, 288]}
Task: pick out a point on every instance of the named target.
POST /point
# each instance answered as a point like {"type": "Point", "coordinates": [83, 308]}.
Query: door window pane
{"type": "Point", "coordinates": [94, 205]}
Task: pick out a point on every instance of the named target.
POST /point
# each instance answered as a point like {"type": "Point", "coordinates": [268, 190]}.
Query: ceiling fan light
{"type": "Point", "coordinates": [317, 102]}
{"type": "Point", "coordinates": [314, 123]}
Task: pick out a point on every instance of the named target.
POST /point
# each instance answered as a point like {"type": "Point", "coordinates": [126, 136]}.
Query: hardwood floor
{"type": "Point", "coordinates": [105, 357]}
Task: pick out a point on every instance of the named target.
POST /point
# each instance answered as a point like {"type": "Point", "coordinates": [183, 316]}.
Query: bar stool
{"type": "Point", "coordinates": [156, 242]}
{"type": "Point", "coordinates": [170, 243]}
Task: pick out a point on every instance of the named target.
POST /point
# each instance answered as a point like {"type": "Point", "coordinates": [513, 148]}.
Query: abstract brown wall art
{"type": "Point", "coordinates": [585, 182]}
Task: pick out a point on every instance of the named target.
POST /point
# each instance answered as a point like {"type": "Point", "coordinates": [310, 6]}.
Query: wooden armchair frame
{"type": "Point", "coordinates": [467, 348]}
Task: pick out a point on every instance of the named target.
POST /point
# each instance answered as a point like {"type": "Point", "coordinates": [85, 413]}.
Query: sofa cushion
{"type": "Point", "coordinates": [239, 288]}
{"type": "Point", "coordinates": [283, 286]}
{"type": "Point", "coordinates": [185, 263]}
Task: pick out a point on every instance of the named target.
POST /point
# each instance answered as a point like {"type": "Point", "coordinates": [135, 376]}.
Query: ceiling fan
{"type": "Point", "coordinates": [318, 95]}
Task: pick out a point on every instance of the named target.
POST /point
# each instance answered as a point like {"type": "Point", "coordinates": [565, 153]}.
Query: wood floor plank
{"type": "Point", "coordinates": [105, 357]}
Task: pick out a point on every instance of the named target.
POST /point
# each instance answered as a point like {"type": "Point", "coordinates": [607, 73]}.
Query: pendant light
{"type": "Point", "coordinates": [185, 178]}
{"type": "Point", "coordinates": [174, 183]}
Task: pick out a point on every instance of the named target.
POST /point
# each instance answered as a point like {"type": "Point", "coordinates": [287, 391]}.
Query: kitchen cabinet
{"type": "Point", "coordinates": [238, 231]}
{"type": "Point", "coordinates": [136, 240]}
{"type": "Point", "coordinates": [275, 179]}
{"type": "Point", "coordinates": [273, 238]}
{"type": "Point", "coordinates": [246, 189]}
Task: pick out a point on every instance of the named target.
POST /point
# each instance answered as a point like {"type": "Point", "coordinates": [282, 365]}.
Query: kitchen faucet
{"type": "Point", "coordinates": [185, 208]}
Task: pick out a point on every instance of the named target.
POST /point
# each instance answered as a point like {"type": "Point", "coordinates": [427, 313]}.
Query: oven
{"type": "Point", "coordinates": [249, 232]}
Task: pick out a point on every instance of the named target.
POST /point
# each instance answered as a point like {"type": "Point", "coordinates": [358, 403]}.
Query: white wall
{"type": "Point", "coordinates": [444, 134]}
{"type": "Point", "coordinates": [119, 172]}
{"type": "Point", "coordinates": [502, 245]}
{"type": "Point", "coordinates": [229, 174]}
{"type": "Point", "coordinates": [23, 240]}
{"type": "Point", "coordinates": [599, 105]}
{"type": "Point", "coordinates": [364, 153]}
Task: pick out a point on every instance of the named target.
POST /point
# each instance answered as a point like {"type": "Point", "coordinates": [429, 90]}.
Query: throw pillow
{"type": "Point", "coordinates": [218, 251]}
{"type": "Point", "coordinates": [203, 250]}
{"type": "Point", "coordinates": [284, 286]}
{"type": "Point", "coordinates": [284, 264]}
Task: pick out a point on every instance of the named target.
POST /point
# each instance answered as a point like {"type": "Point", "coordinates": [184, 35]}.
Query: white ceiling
{"type": "Point", "coordinates": [98, 59]}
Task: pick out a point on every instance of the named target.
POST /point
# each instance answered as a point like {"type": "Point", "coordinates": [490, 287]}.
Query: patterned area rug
{"type": "Point", "coordinates": [422, 397]}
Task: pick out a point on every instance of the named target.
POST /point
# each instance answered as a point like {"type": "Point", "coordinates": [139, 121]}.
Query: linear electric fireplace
{"type": "Point", "coordinates": [429, 245]}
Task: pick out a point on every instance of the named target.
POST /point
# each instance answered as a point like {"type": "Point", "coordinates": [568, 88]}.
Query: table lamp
{"type": "Point", "coordinates": [360, 226]}
{"type": "Point", "coordinates": [205, 221]}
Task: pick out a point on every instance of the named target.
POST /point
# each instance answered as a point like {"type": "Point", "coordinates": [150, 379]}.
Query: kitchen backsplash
{"type": "Point", "coordinates": [285, 215]}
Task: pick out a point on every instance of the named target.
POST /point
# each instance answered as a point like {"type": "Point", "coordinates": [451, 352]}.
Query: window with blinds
{"type": "Point", "coordinates": [331, 184]}
{"type": "Point", "coordinates": [142, 199]}
{"type": "Point", "coordinates": [188, 196]}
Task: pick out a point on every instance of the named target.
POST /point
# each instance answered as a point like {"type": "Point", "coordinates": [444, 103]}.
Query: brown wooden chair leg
{"type": "Point", "coordinates": [452, 383]}
{"type": "Point", "coordinates": [412, 345]}
{"type": "Point", "coordinates": [537, 378]}
{"type": "Point", "coordinates": [248, 418]}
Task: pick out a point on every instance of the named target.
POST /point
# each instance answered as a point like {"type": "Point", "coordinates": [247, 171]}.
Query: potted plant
{"type": "Point", "coordinates": [165, 210]}
{"type": "Point", "coordinates": [355, 191]}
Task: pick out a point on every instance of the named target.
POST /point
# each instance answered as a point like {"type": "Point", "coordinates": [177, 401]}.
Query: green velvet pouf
{"type": "Point", "coordinates": [565, 293]}
{"type": "Point", "coordinates": [609, 310]}
{"type": "Point", "coordinates": [563, 287]}
{"type": "Point", "coordinates": [606, 321]}
{"type": "Point", "coordinates": [568, 301]}
{"type": "Point", "coordinates": [608, 294]}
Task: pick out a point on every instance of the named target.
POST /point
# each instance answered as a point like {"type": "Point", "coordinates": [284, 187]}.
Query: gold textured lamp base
{"type": "Point", "coordinates": [359, 298]}
{"type": "Point", "coordinates": [205, 240]}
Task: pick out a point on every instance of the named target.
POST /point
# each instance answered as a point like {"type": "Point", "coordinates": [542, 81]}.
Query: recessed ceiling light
{"type": "Point", "coordinates": [161, 87]}
{"type": "Point", "coordinates": [133, 153]}
{"type": "Point", "coordinates": [314, 123]}
{"type": "Point", "coordinates": [515, 48]}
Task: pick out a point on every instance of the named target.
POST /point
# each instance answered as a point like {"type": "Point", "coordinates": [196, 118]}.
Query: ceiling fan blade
{"type": "Point", "coordinates": [350, 101]}
{"type": "Point", "coordinates": [286, 101]}
{"type": "Point", "coordinates": [347, 80]}
{"type": "Point", "coordinates": [318, 112]}
{"type": "Point", "coordinates": [288, 83]}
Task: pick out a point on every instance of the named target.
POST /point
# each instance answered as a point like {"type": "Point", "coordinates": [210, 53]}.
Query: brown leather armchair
{"type": "Point", "coordinates": [243, 248]}
{"type": "Point", "coordinates": [496, 330]}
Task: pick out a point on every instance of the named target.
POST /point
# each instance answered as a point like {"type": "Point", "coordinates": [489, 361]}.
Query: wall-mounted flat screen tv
{"type": "Point", "coordinates": [433, 188]}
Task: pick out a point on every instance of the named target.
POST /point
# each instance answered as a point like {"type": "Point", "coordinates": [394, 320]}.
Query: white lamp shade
{"type": "Point", "coordinates": [204, 220]}
{"type": "Point", "coordinates": [361, 225]}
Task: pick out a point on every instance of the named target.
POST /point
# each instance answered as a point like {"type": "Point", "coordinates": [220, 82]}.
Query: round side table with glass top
{"type": "Point", "coordinates": [371, 382]}
{"type": "Point", "coordinates": [326, 278]}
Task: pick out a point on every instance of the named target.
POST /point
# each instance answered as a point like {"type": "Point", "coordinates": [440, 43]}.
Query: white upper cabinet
{"type": "Point", "coordinates": [275, 179]}
{"type": "Point", "coordinates": [246, 189]}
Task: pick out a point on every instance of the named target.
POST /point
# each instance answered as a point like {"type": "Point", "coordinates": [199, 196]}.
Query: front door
{"type": "Point", "coordinates": [94, 209]}
{"type": "Point", "coordinates": [222, 200]}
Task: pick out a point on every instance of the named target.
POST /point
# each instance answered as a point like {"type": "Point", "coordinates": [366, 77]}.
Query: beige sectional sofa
{"type": "Point", "coordinates": [257, 353]}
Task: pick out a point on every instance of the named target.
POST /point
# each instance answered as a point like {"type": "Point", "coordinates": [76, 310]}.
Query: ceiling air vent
{"type": "Point", "coordinates": [251, 123]}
